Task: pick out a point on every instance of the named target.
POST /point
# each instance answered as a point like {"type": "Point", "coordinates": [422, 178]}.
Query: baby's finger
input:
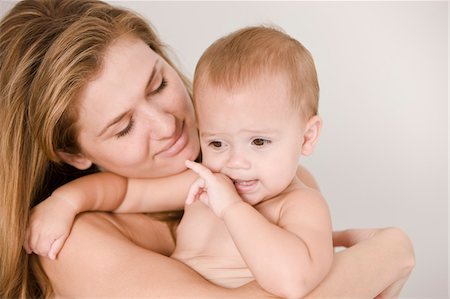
{"type": "Point", "coordinates": [203, 197]}
{"type": "Point", "coordinates": [33, 240]}
{"type": "Point", "coordinates": [55, 248]}
{"type": "Point", "coordinates": [199, 169]}
{"type": "Point", "coordinates": [42, 247]}
{"type": "Point", "coordinates": [195, 189]}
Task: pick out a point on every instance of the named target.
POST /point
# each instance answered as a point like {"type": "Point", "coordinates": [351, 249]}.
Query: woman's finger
{"type": "Point", "coordinates": [350, 237]}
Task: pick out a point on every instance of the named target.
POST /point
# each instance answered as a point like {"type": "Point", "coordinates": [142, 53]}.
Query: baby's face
{"type": "Point", "coordinates": [251, 134]}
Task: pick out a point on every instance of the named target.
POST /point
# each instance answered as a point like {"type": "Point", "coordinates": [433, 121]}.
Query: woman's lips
{"type": "Point", "coordinates": [176, 145]}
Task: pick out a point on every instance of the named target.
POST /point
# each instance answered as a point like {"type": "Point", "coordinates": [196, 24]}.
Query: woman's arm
{"type": "Point", "coordinates": [378, 263]}
{"type": "Point", "coordinates": [126, 256]}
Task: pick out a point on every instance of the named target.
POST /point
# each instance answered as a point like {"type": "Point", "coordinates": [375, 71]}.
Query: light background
{"type": "Point", "coordinates": [382, 159]}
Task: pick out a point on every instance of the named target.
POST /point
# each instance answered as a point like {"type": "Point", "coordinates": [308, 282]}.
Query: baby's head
{"type": "Point", "coordinates": [246, 55]}
{"type": "Point", "coordinates": [256, 97]}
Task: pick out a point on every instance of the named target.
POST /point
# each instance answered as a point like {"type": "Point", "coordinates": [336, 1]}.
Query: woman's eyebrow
{"type": "Point", "coordinates": [122, 115]}
{"type": "Point", "coordinates": [114, 121]}
{"type": "Point", "coordinates": [152, 74]}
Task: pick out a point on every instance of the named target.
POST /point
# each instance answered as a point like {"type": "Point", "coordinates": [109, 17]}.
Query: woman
{"type": "Point", "coordinates": [79, 89]}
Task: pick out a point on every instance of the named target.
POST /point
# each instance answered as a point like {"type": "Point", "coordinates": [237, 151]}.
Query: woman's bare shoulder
{"type": "Point", "coordinates": [306, 177]}
{"type": "Point", "coordinates": [102, 248]}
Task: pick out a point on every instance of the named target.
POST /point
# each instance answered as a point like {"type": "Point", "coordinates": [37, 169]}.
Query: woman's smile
{"type": "Point", "coordinates": [176, 144]}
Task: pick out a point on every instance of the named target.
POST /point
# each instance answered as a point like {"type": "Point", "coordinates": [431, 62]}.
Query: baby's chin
{"type": "Point", "coordinates": [256, 198]}
{"type": "Point", "coordinates": [252, 199]}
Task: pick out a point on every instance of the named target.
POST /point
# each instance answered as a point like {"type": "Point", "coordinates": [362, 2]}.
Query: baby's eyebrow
{"type": "Point", "coordinates": [268, 131]}
{"type": "Point", "coordinates": [207, 134]}
{"type": "Point", "coordinates": [259, 131]}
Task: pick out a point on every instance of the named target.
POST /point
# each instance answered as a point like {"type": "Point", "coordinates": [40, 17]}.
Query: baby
{"type": "Point", "coordinates": [247, 215]}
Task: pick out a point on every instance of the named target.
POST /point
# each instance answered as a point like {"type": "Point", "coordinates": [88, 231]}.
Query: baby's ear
{"type": "Point", "coordinates": [311, 134]}
{"type": "Point", "coordinates": [78, 161]}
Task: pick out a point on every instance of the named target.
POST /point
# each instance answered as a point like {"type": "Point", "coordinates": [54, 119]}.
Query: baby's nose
{"type": "Point", "coordinates": [238, 160]}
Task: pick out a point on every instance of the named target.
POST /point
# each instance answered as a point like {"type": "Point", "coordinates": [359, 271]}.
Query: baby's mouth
{"type": "Point", "coordinates": [244, 186]}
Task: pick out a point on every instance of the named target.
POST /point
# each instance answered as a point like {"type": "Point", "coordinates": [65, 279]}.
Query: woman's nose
{"type": "Point", "coordinates": [161, 124]}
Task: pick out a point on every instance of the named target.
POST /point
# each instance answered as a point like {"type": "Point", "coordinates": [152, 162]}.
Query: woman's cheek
{"type": "Point", "coordinates": [134, 152]}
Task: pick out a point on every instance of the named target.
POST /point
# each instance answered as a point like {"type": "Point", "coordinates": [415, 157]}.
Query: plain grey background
{"type": "Point", "coordinates": [382, 159]}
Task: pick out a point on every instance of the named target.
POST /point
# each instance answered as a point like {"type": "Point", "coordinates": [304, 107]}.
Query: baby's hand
{"type": "Point", "coordinates": [49, 226]}
{"type": "Point", "coordinates": [213, 189]}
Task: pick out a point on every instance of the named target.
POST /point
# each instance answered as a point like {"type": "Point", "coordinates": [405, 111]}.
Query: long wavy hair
{"type": "Point", "coordinates": [49, 49]}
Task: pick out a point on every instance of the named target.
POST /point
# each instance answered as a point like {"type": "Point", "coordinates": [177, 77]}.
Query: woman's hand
{"type": "Point", "coordinates": [49, 226]}
{"type": "Point", "coordinates": [352, 237]}
{"type": "Point", "coordinates": [348, 238]}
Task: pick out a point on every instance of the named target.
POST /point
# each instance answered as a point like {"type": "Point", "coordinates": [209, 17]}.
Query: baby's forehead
{"type": "Point", "coordinates": [265, 88]}
{"type": "Point", "coordinates": [252, 101]}
{"type": "Point", "coordinates": [243, 78]}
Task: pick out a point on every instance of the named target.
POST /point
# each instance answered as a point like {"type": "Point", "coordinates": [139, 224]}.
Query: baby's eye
{"type": "Point", "coordinates": [260, 142]}
{"type": "Point", "coordinates": [216, 144]}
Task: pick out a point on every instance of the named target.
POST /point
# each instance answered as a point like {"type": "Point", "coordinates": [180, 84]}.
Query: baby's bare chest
{"type": "Point", "coordinates": [202, 234]}
{"type": "Point", "coordinates": [204, 244]}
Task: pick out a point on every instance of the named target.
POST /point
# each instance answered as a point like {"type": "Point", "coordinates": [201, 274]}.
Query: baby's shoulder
{"type": "Point", "coordinates": [302, 197]}
{"type": "Point", "coordinates": [298, 191]}
{"type": "Point", "coordinates": [292, 200]}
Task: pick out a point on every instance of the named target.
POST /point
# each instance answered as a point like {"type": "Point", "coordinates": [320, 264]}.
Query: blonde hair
{"type": "Point", "coordinates": [49, 49]}
{"type": "Point", "coordinates": [239, 58]}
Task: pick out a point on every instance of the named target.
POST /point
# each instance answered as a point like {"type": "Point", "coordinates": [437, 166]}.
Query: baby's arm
{"type": "Point", "coordinates": [52, 219]}
{"type": "Point", "coordinates": [289, 258]}
{"type": "Point", "coordinates": [157, 194]}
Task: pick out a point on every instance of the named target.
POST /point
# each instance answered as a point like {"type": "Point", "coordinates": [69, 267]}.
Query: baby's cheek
{"type": "Point", "coordinates": [212, 161]}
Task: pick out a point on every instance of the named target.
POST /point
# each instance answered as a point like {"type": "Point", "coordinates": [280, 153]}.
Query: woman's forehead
{"type": "Point", "coordinates": [128, 65]}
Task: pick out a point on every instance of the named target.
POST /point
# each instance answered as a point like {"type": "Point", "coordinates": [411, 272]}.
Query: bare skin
{"type": "Point", "coordinates": [113, 255]}
{"type": "Point", "coordinates": [95, 234]}
{"type": "Point", "coordinates": [133, 251]}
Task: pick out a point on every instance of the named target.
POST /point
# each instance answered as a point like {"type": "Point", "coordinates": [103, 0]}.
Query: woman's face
{"type": "Point", "coordinates": [136, 118]}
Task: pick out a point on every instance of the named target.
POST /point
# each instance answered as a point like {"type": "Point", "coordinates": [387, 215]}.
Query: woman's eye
{"type": "Point", "coordinates": [215, 144]}
{"type": "Point", "coordinates": [161, 86]}
{"type": "Point", "coordinates": [260, 142]}
{"type": "Point", "coordinates": [126, 130]}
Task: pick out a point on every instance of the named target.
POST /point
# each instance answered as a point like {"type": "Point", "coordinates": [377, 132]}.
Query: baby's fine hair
{"type": "Point", "coordinates": [239, 58]}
